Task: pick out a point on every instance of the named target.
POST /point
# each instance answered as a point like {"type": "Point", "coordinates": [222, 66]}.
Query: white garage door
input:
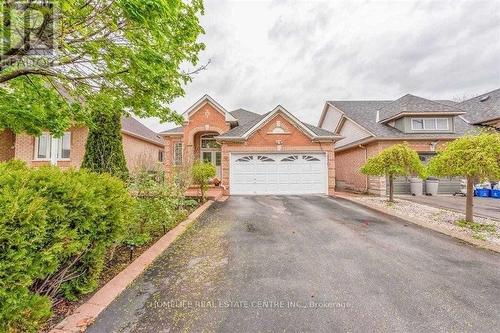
{"type": "Point", "coordinates": [278, 173]}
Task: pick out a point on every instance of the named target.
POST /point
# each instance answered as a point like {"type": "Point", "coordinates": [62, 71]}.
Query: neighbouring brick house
{"type": "Point", "coordinates": [271, 153]}
{"type": "Point", "coordinates": [368, 127]}
{"type": "Point", "coordinates": [142, 147]}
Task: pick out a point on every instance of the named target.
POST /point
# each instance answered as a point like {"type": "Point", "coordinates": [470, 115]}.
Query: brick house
{"type": "Point", "coordinates": [271, 153]}
{"type": "Point", "coordinates": [368, 127]}
{"type": "Point", "coordinates": [142, 147]}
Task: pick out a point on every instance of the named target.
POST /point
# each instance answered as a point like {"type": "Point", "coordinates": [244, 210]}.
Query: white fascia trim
{"type": "Point", "coordinates": [291, 117]}
{"type": "Point", "coordinates": [421, 114]}
{"type": "Point", "coordinates": [206, 98]}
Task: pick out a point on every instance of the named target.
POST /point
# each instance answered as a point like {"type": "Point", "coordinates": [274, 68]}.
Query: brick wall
{"type": "Point", "coordinates": [7, 142]}
{"type": "Point", "coordinates": [140, 154]}
{"type": "Point", "coordinates": [263, 141]}
{"type": "Point", "coordinates": [137, 152]}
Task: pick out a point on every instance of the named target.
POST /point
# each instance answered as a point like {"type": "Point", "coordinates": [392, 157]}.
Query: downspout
{"type": "Point", "coordinates": [366, 159]}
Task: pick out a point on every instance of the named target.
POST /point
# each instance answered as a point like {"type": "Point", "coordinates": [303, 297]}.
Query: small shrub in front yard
{"type": "Point", "coordinates": [56, 229]}
{"type": "Point", "coordinates": [159, 207]}
{"type": "Point", "coordinates": [202, 172]}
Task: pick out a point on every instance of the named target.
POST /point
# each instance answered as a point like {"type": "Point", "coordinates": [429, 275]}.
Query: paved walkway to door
{"type": "Point", "coordinates": [312, 264]}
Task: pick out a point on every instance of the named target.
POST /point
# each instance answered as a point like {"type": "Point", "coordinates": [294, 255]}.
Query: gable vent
{"type": "Point", "coordinates": [484, 98]}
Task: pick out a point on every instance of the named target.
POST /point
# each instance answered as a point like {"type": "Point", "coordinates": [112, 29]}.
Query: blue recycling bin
{"type": "Point", "coordinates": [483, 192]}
{"type": "Point", "coordinates": [495, 194]}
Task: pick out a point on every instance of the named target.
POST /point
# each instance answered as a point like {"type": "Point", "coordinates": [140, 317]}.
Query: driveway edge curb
{"type": "Point", "coordinates": [86, 313]}
{"type": "Point", "coordinates": [422, 223]}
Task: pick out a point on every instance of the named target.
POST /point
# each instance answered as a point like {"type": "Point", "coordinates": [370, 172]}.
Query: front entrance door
{"type": "Point", "coordinates": [211, 152]}
{"type": "Point", "coordinates": [213, 157]}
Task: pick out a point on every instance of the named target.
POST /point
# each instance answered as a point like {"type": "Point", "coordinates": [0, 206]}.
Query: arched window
{"type": "Point", "coordinates": [290, 158]}
{"type": "Point", "coordinates": [245, 159]}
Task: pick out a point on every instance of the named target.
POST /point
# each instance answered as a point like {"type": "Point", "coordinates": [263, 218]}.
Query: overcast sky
{"type": "Point", "coordinates": [301, 53]}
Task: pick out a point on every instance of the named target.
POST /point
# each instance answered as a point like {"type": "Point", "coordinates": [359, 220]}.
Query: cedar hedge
{"type": "Point", "coordinates": [56, 229]}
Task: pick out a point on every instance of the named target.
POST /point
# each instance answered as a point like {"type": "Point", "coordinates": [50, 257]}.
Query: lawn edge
{"type": "Point", "coordinates": [422, 223]}
{"type": "Point", "coordinates": [86, 313]}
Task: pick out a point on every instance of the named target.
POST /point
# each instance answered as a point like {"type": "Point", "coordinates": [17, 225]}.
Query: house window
{"type": "Point", "coordinates": [43, 145]}
{"type": "Point", "coordinates": [430, 124]}
{"type": "Point", "coordinates": [161, 155]}
{"type": "Point", "coordinates": [209, 143]}
{"type": "Point", "coordinates": [45, 142]}
{"type": "Point", "coordinates": [64, 146]}
{"type": "Point", "coordinates": [178, 153]}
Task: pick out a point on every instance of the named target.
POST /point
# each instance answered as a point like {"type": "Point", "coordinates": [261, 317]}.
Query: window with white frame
{"type": "Point", "coordinates": [178, 153]}
{"type": "Point", "coordinates": [64, 146]}
{"type": "Point", "coordinates": [43, 145]}
{"type": "Point", "coordinates": [46, 145]}
{"type": "Point", "coordinates": [430, 124]}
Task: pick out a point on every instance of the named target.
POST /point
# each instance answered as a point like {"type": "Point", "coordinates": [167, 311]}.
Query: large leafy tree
{"type": "Point", "coordinates": [396, 160]}
{"type": "Point", "coordinates": [130, 49]}
{"type": "Point", "coordinates": [476, 157]}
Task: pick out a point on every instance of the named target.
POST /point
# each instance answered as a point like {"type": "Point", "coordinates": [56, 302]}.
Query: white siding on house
{"type": "Point", "coordinates": [351, 132]}
{"type": "Point", "coordinates": [332, 118]}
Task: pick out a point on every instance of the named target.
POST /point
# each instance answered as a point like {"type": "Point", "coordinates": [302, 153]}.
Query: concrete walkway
{"type": "Point", "coordinates": [312, 264]}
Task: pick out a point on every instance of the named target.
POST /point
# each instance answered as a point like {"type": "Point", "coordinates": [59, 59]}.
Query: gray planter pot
{"type": "Point", "coordinates": [416, 186]}
{"type": "Point", "coordinates": [431, 186]}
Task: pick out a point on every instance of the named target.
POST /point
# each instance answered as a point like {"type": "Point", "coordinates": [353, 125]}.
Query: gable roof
{"type": "Point", "coordinates": [242, 132]}
{"type": "Point", "coordinates": [483, 108]}
{"type": "Point", "coordinates": [410, 104]}
{"type": "Point", "coordinates": [207, 99]}
{"type": "Point", "coordinates": [135, 128]}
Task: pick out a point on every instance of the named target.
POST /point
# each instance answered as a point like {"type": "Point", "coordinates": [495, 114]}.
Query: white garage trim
{"type": "Point", "coordinates": [275, 173]}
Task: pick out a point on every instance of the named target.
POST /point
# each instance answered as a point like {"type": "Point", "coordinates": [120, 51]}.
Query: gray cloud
{"type": "Point", "coordinates": [300, 54]}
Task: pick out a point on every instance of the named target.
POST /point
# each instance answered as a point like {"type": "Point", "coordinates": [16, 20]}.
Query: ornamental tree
{"type": "Point", "coordinates": [397, 160]}
{"type": "Point", "coordinates": [56, 54]}
{"type": "Point", "coordinates": [476, 157]}
{"type": "Point", "coordinates": [104, 146]}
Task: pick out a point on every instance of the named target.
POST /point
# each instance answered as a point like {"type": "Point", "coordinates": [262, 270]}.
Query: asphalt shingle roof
{"type": "Point", "coordinates": [478, 112]}
{"type": "Point", "coordinates": [364, 113]}
{"type": "Point", "coordinates": [411, 103]}
{"type": "Point", "coordinates": [175, 130]}
{"type": "Point", "coordinates": [132, 125]}
{"type": "Point", "coordinates": [244, 116]}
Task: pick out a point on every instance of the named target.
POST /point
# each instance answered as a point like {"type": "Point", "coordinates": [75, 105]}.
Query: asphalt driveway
{"type": "Point", "coordinates": [311, 264]}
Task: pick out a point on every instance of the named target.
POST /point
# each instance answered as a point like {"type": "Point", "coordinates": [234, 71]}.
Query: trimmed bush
{"type": "Point", "coordinates": [202, 172]}
{"type": "Point", "coordinates": [56, 229]}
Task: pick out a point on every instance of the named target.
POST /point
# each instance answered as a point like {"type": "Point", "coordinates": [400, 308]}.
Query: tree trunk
{"type": "Point", "coordinates": [469, 206]}
{"type": "Point", "coordinates": [391, 188]}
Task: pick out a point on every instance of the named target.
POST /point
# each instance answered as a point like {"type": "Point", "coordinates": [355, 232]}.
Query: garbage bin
{"type": "Point", "coordinates": [483, 192]}
{"type": "Point", "coordinates": [416, 186]}
{"type": "Point", "coordinates": [431, 186]}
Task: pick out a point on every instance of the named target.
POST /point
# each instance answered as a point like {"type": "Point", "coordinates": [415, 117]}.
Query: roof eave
{"type": "Point", "coordinates": [137, 136]}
